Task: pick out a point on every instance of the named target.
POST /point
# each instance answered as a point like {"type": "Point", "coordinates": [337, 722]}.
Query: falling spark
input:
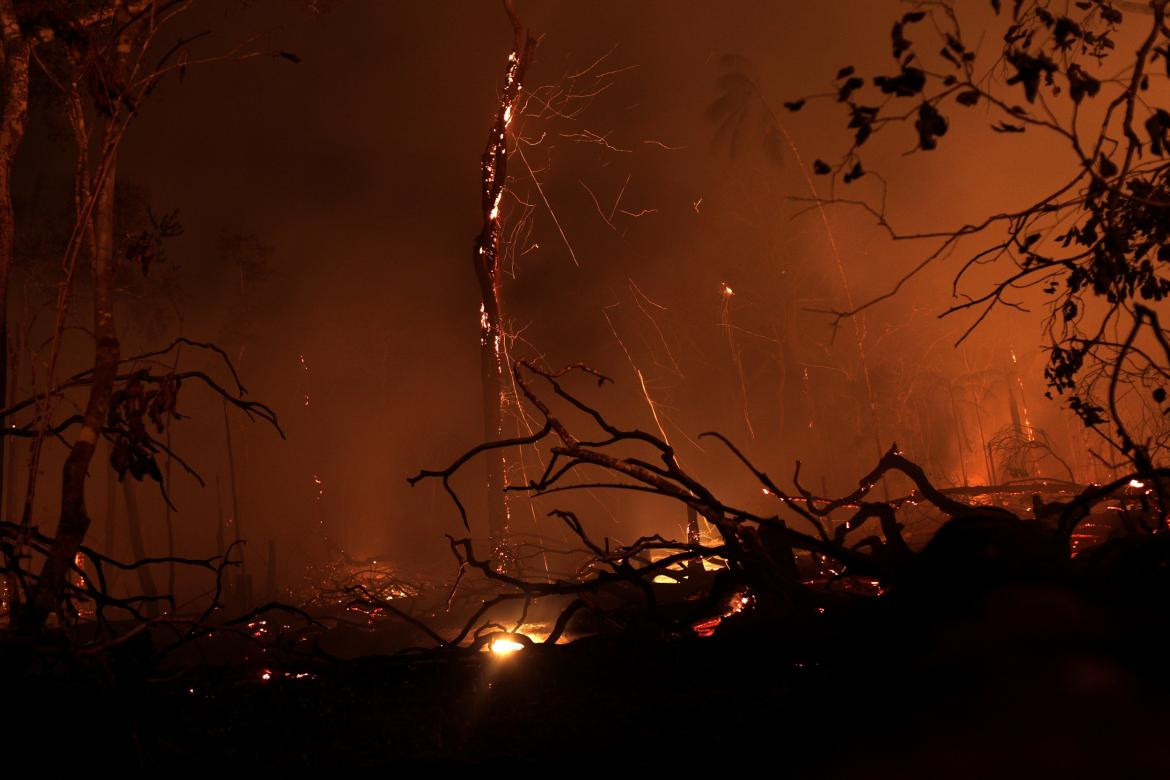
{"type": "Point", "coordinates": [547, 205]}
{"type": "Point", "coordinates": [735, 352]}
{"type": "Point", "coordinates": [640, 296]}
{"type": "Point", "coordinates": [305, 366]}
{"type": "Point", "coordinates": [1029, 432]}
{"type": "Point", "coordinates": [653, 408]}
{"type": "Point", "coordinates": [667, 147]}
{"type": "Point", "coordinates": [320, 488]}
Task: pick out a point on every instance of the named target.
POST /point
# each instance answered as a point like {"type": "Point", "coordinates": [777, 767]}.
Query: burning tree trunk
{"type": "Point", "coordinates": [486, 258]}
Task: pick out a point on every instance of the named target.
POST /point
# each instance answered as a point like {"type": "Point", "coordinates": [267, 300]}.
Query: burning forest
{"type": "Point", "coordinates": [523, 385]}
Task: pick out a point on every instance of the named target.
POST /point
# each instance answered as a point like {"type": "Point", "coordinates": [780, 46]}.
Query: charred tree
{"type": "Point", "coordinates": [15, 50]}
{"type": "Point", "coordinates": [486, 259]}
{"type": "Point", "coordinates": [96, 226]}
{"type": "Point", "coordinates": [767, 558]}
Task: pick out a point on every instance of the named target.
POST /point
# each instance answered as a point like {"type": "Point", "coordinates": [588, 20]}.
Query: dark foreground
{"type": "Point", "coordinates": [1036, 678]}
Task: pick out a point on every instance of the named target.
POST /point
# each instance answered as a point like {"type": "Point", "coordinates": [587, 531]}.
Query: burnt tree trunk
{"type": "Point", "coordinates": [96, 221]}
{"type": "Point", "coordinates": [14, 64]}
{"type": "Point", "coordinates": [486, 257]}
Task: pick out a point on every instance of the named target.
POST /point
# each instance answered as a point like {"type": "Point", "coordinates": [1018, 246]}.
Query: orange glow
{"type": "Point", "coordinates": [505, 645]}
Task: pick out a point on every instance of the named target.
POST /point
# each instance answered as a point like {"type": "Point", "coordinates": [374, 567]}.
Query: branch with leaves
{"type": "Point", "coordinates": [1095, 246]}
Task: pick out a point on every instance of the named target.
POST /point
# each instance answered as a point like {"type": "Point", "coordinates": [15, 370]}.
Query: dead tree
{"type": "Point", "coordinates": [15, 49]}
{"type": "Point", "coordinates": [486, 259]}
{"type": "Point", "coordinates": [768, 561]}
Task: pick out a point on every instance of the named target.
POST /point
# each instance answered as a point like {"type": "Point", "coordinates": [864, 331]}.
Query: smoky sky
{"type": "Point", "coordinates": [350, 184]}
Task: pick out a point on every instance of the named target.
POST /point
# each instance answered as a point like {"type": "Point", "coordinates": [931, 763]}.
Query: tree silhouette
{"type": "Point", "coordinates": [1089, 76]}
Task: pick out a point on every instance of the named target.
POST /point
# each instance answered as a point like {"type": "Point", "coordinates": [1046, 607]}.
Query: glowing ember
{"type": "Point", "coordinates": [504, 645]}
{"type": "Point", "coordinates": [737, 603]}
{"type": "Point", "coordinates": [1136, 483]}
{"type": "Point", "coordinates": [305, 366]}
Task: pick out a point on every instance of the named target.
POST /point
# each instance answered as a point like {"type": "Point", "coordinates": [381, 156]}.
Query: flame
{"type": "Point", "coordinates": [505, 645]}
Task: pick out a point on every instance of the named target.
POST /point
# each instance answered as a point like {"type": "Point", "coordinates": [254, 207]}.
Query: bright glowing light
{"type": "Point", "coordinates": [665, 579]}
{"type": "Point", "coordinates": [504, 646]}
{"type": "Point", "coordinates": [508, 115]}
{"type": "Point", "coordinates": [727, 291]}
{"type": "Point", "coordinates": [266, 675]}
{"type": "Point", "coordinates": [1136, 483]}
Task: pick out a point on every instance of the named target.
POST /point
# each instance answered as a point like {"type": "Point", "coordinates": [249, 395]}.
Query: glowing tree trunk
{"type": "Point", "coordinates": [486, 258]}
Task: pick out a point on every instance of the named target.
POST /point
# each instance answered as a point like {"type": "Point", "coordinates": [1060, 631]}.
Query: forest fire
{"type": "Point", "coordinates": [584, 466]}
{"type": "Point", "coordinates": [506, 645]}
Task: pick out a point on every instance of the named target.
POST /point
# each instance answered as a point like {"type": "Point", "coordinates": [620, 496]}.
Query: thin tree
{"type": "Point", "coordinates": [104, 68]}
{"type": "Point", "coordinates": [486, 259]}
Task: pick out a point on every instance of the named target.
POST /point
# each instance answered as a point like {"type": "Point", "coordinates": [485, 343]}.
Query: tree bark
{"type": "Point", "coordinates": [485, 257]}
{"type": "Point", "coordinates": [14, 64]}
{"type": "Point", "coordinates": [97, 185]}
